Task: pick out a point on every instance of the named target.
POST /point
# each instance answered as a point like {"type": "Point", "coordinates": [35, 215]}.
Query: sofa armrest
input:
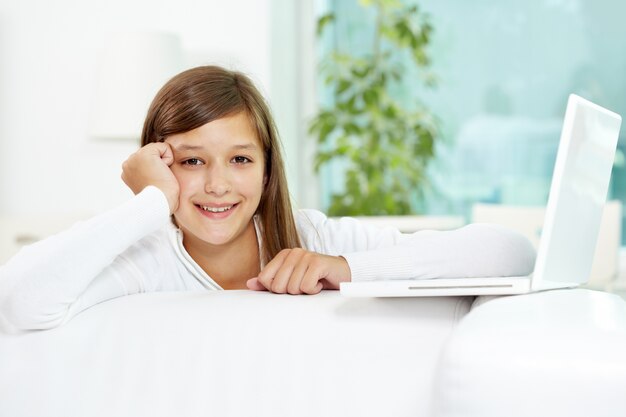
{"type": "Point", "coordinates": [554, 353]}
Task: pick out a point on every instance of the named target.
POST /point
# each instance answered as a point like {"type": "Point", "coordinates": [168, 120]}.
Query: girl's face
{"type": "Point", "coordinates": [220, 168]}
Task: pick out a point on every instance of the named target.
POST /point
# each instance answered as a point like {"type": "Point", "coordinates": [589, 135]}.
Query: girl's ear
{"type": "Point", "coordinates": [264, 180]}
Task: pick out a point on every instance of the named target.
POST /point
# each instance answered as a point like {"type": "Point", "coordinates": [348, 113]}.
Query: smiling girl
{"type": "Point", "coordinates": [212, 212]}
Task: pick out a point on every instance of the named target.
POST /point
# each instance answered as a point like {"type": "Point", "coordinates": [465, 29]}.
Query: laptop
{"type": "Point", "coordinates": [566, 248]}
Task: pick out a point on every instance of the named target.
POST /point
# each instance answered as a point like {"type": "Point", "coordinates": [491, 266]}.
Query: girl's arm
{"type": "Point", "coordinates": [342, 250]}
{"type": "Point", "coordinates": [372, 253]}
{"type": "Point", "coordinates": [50, 281]}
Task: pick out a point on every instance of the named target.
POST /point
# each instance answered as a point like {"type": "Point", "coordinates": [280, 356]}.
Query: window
{"type": "Point", "coordinates": [505, 70]}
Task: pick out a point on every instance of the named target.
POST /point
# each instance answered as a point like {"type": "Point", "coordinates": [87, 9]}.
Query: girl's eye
{"type": "Point", "coordinates": [241, 160]}
{"type": "Point", "coordinates": [192, 161]}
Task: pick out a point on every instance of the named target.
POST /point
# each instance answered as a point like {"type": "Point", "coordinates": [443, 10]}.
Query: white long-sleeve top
{"type": "Point", "coordinates": [136, 248]}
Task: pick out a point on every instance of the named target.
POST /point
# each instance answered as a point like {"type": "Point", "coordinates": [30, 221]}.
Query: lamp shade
{"type": "Point", "coordinates": [133, 68]}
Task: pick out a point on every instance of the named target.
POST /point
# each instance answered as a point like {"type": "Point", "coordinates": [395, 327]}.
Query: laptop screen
{"type": "Point", "coordinates": [578, 193]}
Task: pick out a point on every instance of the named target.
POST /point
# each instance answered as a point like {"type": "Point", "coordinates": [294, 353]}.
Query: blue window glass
{"type": "Point", "coordinates": [505, 69]}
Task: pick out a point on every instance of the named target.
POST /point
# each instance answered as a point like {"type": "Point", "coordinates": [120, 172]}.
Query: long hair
{"type": "Point", "coordinates": [203, 94]}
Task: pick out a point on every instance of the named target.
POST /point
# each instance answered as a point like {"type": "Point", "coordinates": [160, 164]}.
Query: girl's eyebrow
{"type": "Point", "coordinates": [247, 146]}
{"type": "Point", "coordinates": [184, 147]}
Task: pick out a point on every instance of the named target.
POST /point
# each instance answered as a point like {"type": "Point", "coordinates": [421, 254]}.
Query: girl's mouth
{"type": "Point", "coordinates": [216, 209]}
{"type": "Point", "coordinates": [213, 212]}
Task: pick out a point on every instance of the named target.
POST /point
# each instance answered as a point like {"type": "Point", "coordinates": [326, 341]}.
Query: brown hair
{"type": "Point", "coordinates": [203, 94]}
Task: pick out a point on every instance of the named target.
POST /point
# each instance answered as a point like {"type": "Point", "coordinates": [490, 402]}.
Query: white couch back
{"type": "Point", "coordinates": [232, 353]}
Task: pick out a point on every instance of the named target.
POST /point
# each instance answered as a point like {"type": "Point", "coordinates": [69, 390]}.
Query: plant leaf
{"type": "Point", "coordinates": [323, 21]}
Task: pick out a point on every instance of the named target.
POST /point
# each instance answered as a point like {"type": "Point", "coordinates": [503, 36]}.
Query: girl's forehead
{"type": "Point", "coordinates": [234, 131]}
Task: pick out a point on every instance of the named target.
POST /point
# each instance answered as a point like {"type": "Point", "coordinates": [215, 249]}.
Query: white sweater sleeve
{"type": "Point", "coordinates": [50, 281]}
{"type": "Point", "coordinates": [476, 250]}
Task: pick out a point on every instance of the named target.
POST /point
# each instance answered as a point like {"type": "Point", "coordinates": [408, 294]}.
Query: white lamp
{"type": "Point", "coordinates": [134, 66]}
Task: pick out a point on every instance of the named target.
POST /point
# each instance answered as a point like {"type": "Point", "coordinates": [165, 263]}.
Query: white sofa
{"type": "Point", "coordinates": [243, 353]}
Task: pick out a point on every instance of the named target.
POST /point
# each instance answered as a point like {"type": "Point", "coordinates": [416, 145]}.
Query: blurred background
{"type": "Point", "coordinates": [76, 78]}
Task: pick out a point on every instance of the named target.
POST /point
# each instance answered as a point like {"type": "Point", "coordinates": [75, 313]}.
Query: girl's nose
{"type": "Point", "coordinates": [217, 181]}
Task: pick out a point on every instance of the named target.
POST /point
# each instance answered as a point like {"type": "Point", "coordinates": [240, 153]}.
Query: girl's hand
{"type": "Point", "coordinates": [150, 165]}
{"type": "Point", "coordinates": [298, 271]}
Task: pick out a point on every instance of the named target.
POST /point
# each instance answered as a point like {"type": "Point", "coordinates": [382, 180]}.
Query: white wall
{"type": "Point", "coordinates": [49, 52]}
{"type": "Point", "coordinates": [293, 92]}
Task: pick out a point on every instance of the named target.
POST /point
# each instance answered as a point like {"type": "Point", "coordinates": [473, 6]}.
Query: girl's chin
{"type": "Point", "coordinates": [214, 238]}
{"type": "Point", "coordinates": [218, 236]}
{"type": "Point", "coordinates": [212, 233]}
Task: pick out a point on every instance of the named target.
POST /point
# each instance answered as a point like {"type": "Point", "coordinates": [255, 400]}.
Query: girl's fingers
{"type": "Point", "coordinates": [150, 165]}
{"type": "Point", "coordinates": [286, 271]}
{"type": "Point", "coordinates": [294, 286]}
{"type": "Point", "coordinates": [254, 285]}
{"type": "Point", "coordinates": [266, 276]}
{"type": "Point", "coordinates": [311, 282]}
{"type": "Point", "coordinates": [297, 271]}
{"type": "Point", "coordinates": [166, 153]}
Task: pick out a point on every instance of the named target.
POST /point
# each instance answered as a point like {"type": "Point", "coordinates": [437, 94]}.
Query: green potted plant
{"type": "Point", "coordinates": [383, 146]}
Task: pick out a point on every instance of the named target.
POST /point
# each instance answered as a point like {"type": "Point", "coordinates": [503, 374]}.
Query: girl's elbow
{"type": "Point", "coordinates": [20, 315]}
{"type": "Point", "coordinates": [517, 252]}
{"type": "Point", "coordinates": [521, 255]}
{"type": "Point", "coordinates": [512, 252]}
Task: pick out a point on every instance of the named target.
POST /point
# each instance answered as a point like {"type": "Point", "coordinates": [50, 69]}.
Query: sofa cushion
{"type": "Point", "coordinates": [554, 353]}
{"type": "Point", "coordinates": [232, 353]}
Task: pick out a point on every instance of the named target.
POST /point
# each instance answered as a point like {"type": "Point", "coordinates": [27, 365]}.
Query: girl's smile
{"type": "Point", "coordinates": [217, 211]}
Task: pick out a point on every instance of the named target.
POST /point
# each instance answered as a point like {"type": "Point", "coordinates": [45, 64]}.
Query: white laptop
{"type": "Point", "coordinates": [577, 196]}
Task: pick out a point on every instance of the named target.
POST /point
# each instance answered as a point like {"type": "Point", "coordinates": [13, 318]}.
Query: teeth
{"type": "Point", "coordinates": [216, 209]}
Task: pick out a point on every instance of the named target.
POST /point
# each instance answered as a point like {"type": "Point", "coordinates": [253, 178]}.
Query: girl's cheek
{"type": "Point", "coordinates": [249, 182]}
{"type": "Point", "coordinates": [179, 177]}
{"type": "Point", "coordinates": [187, 180]}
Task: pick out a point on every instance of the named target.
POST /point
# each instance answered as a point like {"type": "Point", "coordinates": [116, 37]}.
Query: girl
{"type": "Point", "coordinates": [212, 212]}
